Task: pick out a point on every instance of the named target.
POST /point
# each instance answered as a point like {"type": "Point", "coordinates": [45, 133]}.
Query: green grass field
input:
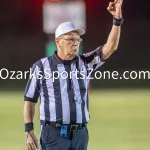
{"type": "Point", "coordinates": [120, 120]}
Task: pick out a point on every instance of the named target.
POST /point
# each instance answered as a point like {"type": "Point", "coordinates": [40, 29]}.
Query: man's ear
{"type": "Point", "coordinates": [57, 42]}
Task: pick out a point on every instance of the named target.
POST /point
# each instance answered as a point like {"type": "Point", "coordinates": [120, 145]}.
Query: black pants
{"type": "Point", "coordinates": [50, 139]}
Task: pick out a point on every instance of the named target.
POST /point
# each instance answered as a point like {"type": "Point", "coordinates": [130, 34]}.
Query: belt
{"type": "Point", "coordinates": [71, 127]}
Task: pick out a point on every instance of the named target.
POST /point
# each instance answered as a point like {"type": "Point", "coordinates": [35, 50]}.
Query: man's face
{"type": "Point", "coordinates": [69, 43]}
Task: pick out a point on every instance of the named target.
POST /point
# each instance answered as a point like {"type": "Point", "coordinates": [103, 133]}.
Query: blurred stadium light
{"type": "Point", "coordinates": [56, 12]}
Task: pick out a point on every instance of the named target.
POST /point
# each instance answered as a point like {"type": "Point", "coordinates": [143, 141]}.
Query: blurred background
{"type": "Point", "coordinates": [120, 109]}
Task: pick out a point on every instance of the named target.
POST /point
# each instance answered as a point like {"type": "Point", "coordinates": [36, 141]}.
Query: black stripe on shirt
{"type": "Point", "coordinates": [57, 92]}
{"type": "Point", "coordinates": [45, 95]}
{"type": "Point", "coordinates": [89, 57]}
{"type": "Point", "coordinates": [70, 91]}
{"type": "Point", "coordinates": [82, 91]}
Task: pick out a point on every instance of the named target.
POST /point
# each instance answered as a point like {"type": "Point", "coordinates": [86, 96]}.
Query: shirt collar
{"type": "Point", "coordinates": [57, 60]}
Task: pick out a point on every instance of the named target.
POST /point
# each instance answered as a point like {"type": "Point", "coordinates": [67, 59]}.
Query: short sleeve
{"type": "Point", "coordinates": [32, 87]}
{"type": "Point", "coordinates": [93, 59]}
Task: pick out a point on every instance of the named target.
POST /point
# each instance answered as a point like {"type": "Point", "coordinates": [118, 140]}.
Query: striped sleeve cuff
{"type": "Point", "coordinates": [30, 99]}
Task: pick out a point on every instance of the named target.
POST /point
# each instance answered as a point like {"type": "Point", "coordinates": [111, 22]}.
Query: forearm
{"type": "Point", "coordinates": [112, 42]}
{"type": "Point", "coordinates": [113, 38]}
{"type": "Point", "coordinates": [29, 111]}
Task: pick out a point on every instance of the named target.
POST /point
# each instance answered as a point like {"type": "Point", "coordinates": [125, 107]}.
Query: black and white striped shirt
{"type": "Point", "coordinates": [64, 99]}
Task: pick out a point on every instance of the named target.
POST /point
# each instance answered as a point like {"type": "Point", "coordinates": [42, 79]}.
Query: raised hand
{"type": "Point", "coordinates": [115, 8]}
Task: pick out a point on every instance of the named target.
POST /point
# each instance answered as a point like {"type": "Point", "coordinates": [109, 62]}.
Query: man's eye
{"type": "Point", "coordinates": [71, 40]}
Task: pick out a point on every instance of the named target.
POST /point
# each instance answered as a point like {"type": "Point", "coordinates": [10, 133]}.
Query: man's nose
{"type": "Point", "coordinates": [75, 43]}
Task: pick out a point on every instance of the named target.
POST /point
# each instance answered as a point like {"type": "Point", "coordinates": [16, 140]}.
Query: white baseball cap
{"type": "Point", "coordinates": [67, 27]}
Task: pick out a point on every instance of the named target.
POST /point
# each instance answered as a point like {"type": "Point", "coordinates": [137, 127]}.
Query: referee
{"type": "Point", "coordinates": [61, 83]}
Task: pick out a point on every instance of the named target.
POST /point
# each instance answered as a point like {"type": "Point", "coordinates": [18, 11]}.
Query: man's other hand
{"type": "Point", "coordinates": [31, 141]}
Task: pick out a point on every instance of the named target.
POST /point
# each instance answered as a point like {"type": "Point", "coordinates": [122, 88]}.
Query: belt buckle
{"type": "Point", "coordinates": [73, 128]}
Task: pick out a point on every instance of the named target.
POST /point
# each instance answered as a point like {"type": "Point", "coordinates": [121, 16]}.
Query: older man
{"type": "Point", "coordinates": [62, 84]}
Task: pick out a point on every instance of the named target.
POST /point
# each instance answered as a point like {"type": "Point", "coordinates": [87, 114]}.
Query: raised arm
{"type": "Point", "coordinates": [115, 8]}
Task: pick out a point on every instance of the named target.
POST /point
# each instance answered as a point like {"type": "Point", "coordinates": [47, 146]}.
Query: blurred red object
{"type": "Point", "coordinates": [53, 0]}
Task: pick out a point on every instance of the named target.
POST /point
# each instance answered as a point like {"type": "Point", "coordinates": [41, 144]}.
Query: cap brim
{"type": "Point", "coordinates": [80, 31]}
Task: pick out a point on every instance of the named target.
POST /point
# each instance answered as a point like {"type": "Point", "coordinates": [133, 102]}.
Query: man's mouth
{"type": "Point", "coordinates": [75, 50]}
